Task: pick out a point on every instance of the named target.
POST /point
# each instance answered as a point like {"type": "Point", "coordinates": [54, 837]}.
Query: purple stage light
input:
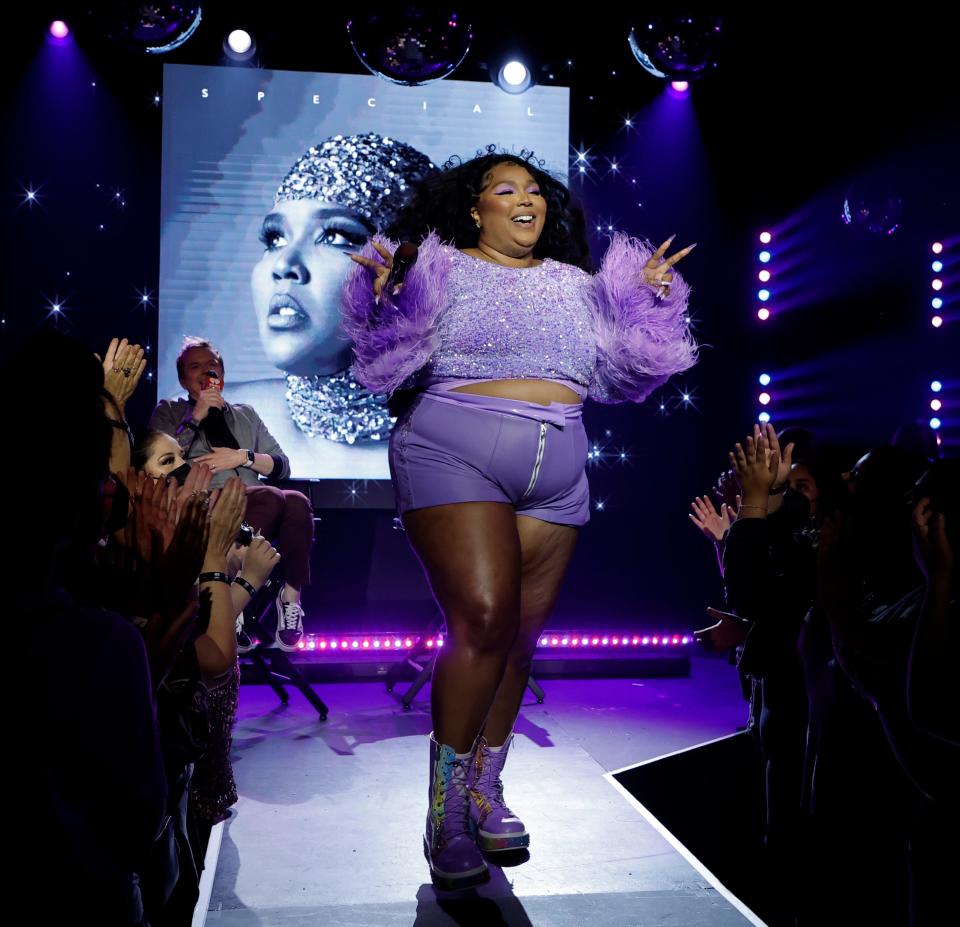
{"type": "Point", "coordinates": [764, 276]}
{"type": "Point", "coordinates": [936, 321]}
{"type": "Point", "coordinates": [764, 399]}
{"type": "Point", "coordinates": [763, 314]}
{"type": "Point", "coordinates": [937, 247]}
{"type": "Point", "coordinates": [681, 86]}
{"type": "Point", "coordinates": [765, 238]}
{"type": "Point", "coordinates": [59, 29]}
{"type": "Point", "coordinates": [355, 643]}
{"type": "Point", "coordinates": [936, 405]}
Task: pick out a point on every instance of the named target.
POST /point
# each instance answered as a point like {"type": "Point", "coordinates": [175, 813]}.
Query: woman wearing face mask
{"type": "Point", "coordinates": [332, 200]}
{"type": "Point", "coordinates": [161, 457]}
{"type": "Point", "coordinates": [158, 455]}
{"type": "Point", "coordinates": [212, 787]}
{"type": "Point", "coordinates": [493, 342]}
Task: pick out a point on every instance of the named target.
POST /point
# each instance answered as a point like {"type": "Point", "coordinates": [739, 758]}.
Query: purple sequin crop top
{"type": "Point", "coordinates": [514, 322]}
{"type": "Point", "coordinates": [609, 335]}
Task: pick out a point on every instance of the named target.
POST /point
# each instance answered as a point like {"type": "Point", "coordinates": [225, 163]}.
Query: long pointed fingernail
{"type": "Point", "coordinates": [694, 245]}
{"type": "Point", "coordinates": [671, 238]}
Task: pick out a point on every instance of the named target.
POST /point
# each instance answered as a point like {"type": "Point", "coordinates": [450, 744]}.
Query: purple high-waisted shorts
{"type": "Point", "coordinates": [463, 447]}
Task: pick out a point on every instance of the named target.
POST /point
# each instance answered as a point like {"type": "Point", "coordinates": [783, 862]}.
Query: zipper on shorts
{"type": "Point", "coordinates": [541, 444]}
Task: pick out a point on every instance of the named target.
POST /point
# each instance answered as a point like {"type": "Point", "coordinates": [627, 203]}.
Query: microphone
{"type": "Point", "coordinates": [403, 259]}
{"type": "Point", "coordinates": [213, 414]}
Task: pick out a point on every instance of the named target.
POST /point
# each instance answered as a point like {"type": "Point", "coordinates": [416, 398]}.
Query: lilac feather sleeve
{"type": "Point", "coordinates": [641, 341]}
{"type": "Point", "coordinates": [392, 341]}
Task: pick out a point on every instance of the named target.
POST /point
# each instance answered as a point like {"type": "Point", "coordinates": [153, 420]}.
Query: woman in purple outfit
{"type": "Point", "coordinates": [498, 338]}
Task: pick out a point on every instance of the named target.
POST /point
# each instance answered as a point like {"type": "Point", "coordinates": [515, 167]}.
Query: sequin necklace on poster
{"type": "Point", "coordinates": [338, 408]}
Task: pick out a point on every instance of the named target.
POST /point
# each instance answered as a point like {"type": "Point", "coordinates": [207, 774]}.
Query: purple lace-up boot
{"type": "Point", "coordinates": [498, 828]}
{"type": "Point", "coordinates": [455, 862]}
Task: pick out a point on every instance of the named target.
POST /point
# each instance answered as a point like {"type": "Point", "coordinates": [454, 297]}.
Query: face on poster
{"type": "Point", "coordinates": [270, 179]}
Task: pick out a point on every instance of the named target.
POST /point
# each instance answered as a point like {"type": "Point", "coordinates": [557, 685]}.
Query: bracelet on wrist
{"type": "Point", "coordinates": [215, 576]}
{"type": "Point", "coordinates": [246, 586]}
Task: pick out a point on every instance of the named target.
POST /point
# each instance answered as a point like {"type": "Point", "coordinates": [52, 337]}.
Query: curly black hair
{"type": "Point", "coordinates": [442, 203]}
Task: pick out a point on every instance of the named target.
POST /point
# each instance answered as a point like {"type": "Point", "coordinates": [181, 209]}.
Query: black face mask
{"type": "Point", "coordinates": [180, 474]}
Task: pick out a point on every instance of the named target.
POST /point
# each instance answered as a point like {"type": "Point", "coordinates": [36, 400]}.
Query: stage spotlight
{"type": "Point", "coordinates": [763, 314]}
{"type": "Point", "coordinates": [764, 399]}
{"type": "Point", "coordinates": [239, 45]}
{"type": "Point", "coordinates": [763, 418]}
{"type": "Point", "coordinates": [936, 405]}
{"type": "Point", "coordinates": [765, 238]}
{"type": "Point", "coordinates": [937, 267]}
{"type": "Point", "coordinates": [936, 321]}
{"type": "Point", "coordinates": [935, 423]}
{"type": "Point", "coordinates": [765, 379]}
{"type": "Point", "coordinates": [680, 86]}
{"type": "Point", "coordinates": [59, 29]}
{"type": "Point", "coordinates": [937, 247]}
{"type": "Point", "coordinates": [764, 276]}
{"type": "Point", "coordinates": [765, 257]}
{"type": "Point", "coordinates": [763, 295]}
{"type": "Point", "coordinates": [512, 74]}
{"type": "Point", "coordinates": [936, 386]}
{"type": "Point", "coordinates": [936, 302]}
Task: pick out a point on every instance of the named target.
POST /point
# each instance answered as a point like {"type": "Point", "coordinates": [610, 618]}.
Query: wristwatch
{"type": "Point", "coordinates": [251, 459]}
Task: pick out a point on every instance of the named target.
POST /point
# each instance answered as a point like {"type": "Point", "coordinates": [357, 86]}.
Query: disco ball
{"type": "Point", "coordinates": [412, 44]}
{"type": "Point", "coordinates": [154, 28]}
{"type": "Point", "coordinates": [677, 47]}
{"type": "Point", "coordinates": [873, 209]}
